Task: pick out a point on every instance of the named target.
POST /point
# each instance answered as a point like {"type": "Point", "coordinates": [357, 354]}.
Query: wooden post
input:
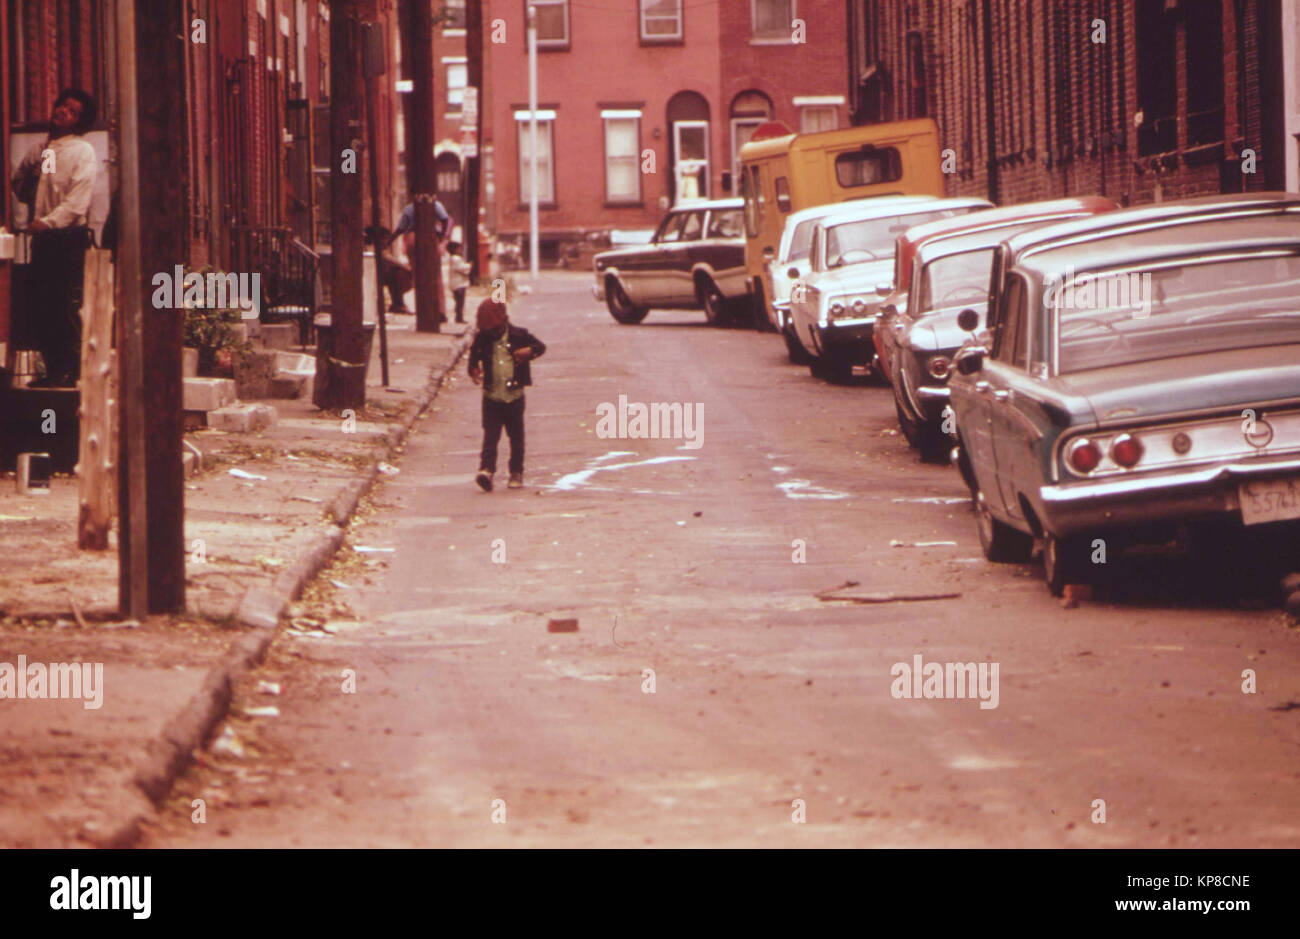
{"type": "Point", "coordinates": [417, 22]}
{"type": "Point", "coordinates": [96, 463]}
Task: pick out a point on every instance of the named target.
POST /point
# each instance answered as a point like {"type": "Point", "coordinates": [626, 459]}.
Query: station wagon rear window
{"type": "Point", "coordinates": [1169, 309]}
{"type": "Point", "coordinates": [873, 239]}
{"type": "Point", "coordinates": [727, 223]}
{"type": "Point", "coordinates": [868, 166]}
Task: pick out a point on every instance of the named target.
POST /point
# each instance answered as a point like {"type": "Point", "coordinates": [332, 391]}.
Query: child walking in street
{"type": "Point", "coordinates": [499, 359]}
{"type": "Point", "coordinates": [458, 275]}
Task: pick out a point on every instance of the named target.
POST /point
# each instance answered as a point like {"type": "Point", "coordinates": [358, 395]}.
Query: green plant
{"type": "Point", "coordinates": [212, 332]}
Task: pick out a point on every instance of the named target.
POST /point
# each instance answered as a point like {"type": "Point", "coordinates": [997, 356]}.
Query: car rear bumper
{"type": "Point", "coordinates": [848, 336]}
{"type": "Point", "coordinates": [1186, 495]}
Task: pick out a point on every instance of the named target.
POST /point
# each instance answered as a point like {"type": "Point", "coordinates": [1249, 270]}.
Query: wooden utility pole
{"type": "Point", "coordinates": [474, 166]}
{"type": "Point", "coordinates": [417, 24]}
{"type": "Point", "coordinates": [151, 480]}
{"type": "Point", "coordinates": [96, 462]}
{"type": "Point", "coordinates": [345, 384]}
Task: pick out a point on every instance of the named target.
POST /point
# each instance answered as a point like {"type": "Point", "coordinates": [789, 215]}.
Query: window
{"type": "Point", "coordinates": [671, 227]}
{"type": "Point", "coordinates": [752, 190]}
{"type": "Point", "coordinates": [1157, 41]}
{"type": "Point", "coordinates": [801, 241]}
{"type": "Point", "coordinates": [726, 223]}
{"type": "Point", "coordinates": [817, 118]}
{"type": "Point", "coordinates": [773, 19]}
{"type": "Point", "coordinates": [868, 166]}
{"type": "Point", "coordinates": [1204, 31]}
{"type": "Point", "coordinates": [692, 227]}
{"type": "Point", "coordinates": [453, 12]}
{"type": "Point", "coordinates": [783, 194]}
{"type": "Point", "coordinates": [622, 156]}
{"type": "Point", "coordinates": [457, 79]}
{"type": "Point", "coordinates": [1012, 344]}
{"type": "Point", "coordinates": [552, 24]}
{"type": "Point", "coordinates": [661, 21]}
{"type": "Point", "coordinates": [545, 150]}
{"type": "Point", "coordinates": [691, 159]}
{"type": "Point", "coordinates": [749, 110]}
{"type": "Point", "coordinates": [916, 90]}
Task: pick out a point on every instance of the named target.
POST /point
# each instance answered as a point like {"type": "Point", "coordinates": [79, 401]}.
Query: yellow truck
{"type": "Point", "coordinates": [784, 173]}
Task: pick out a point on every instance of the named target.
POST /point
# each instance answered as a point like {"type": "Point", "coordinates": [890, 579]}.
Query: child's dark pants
{"type": "Point", "coordinates": [459, 294]}
{"type": "Point", "coordinates": [496, 415]}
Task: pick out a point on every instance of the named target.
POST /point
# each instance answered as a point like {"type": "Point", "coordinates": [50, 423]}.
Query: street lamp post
{"type": "Point", "coordinates": [532, 141]}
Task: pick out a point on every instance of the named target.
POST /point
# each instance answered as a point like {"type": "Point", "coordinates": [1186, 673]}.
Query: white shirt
{"type": "Point", "coordinates": [63, 196]}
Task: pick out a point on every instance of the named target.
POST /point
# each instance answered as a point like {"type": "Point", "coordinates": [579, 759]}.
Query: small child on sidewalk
{"type": "Point", "coordinates": [499, 359]}
{"type": "Point", "coordinates": [460, 270]}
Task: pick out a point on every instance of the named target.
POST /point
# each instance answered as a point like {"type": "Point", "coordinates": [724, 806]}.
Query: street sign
{"type": "Point", "coordinates": [468, 141]}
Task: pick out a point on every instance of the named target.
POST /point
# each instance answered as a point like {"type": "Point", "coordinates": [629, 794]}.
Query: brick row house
{"type": "Point", "coordinates": [645, 103]}
{"type": "Point", "coordinates": [256, 139]}
{"type": "Point", "coordinates": [1140, 100]}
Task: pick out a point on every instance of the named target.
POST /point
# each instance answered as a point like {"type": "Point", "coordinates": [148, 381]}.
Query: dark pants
{"type": "Point", "coordinates": [398, 281]}
{"type": "Point", "coordinates": [496, 415]}
{"type": "Point", "coordinates": [459, 294]}
{"type": "Point", "coordinates": [57, 270]}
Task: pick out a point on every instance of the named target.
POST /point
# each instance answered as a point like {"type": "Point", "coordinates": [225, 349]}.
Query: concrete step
{"type": "Point", "coordinates": [242, 418]}
{"type": "Point", "coordinates": [279, 335]}
{"type": "Point", "coordinates": [207, 394]}
{"type": "Point", "coordinates": [275, 373]}
{"type": "Point", "coordinates": [189, 363]}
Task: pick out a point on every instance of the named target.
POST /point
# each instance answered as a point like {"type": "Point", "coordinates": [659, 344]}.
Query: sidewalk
{"type": "Point", "coordinates": [75, 773]}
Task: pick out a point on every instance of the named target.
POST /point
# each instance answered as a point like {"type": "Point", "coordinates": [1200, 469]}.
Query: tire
{"type": "Point", "coordinates": [758, 309]}
{"type": "Point", "coordinates": [1001, 543]}
{"type": "Point", "coordinates": [817, 367]}
{"type": "Point", "coordinates": [794, 349]}
{"type": "Point", "coordinates": [1065, 561]}
{"type": "Point", "coordinates": [905, 423]}
{"type": "Point", "coordinates": [621, 306]}
{"type": "Point", "coordinates": [714, 303]}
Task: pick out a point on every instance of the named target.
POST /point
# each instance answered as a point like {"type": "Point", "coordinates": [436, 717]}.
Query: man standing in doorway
{"type": "Point", "coordinates": [57, 180]}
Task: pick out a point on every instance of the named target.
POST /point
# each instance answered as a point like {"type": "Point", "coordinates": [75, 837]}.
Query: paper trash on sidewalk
{"type": "Point", "coordinates": [240, 474]}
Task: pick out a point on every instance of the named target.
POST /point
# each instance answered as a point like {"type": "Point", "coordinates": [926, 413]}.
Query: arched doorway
{"type": "Point", "coordinates": [749, 109]}
{"type": "Point", "coordinates": [689, 145]}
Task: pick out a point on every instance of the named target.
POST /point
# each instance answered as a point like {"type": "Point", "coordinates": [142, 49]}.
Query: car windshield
{"type": "Point", "coordinates": [801, 241]}
{"type": "Point", "coordinates": [872, 239]}
{"type": "Point", "coordinates": [726, 223]}
{"type": "Point", "coordinates": [957, 279]}
{"type": "Point", "coordinates": [1162, 311]}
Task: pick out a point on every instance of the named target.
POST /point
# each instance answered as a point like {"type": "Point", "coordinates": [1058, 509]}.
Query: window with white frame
{"type": "Point", "coordinates": [773, 19]}
{"type": "Point", "coordinates": [545, 156]}
{"type": "Point", "coordinates": [457, 78]}
{"type": "Point", "coordinates": [552, 23]}
{"type": "Point", "coordinates": [661, 21]}
{"type": "Point", "coordinates": [453, 12]}
{"type": "Point", "coordinates": [622, 156]}
{"type": "Point", "coordinates": [817, 117]}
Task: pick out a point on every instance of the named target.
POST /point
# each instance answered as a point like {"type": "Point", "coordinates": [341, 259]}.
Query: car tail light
{"type": "Point", "coordinates": [837, 308]}
{"type": "Point", "coordinates": [1083, 455]}
{"type": "Point", "coordinates": [1126, 450]}
{"type": "Point", "coordinates": [859, 306]}
{"type": "Point", "coordinates": [939, 366]}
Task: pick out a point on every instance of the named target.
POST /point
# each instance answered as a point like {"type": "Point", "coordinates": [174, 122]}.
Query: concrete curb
{"type": "Point", "coordinates": [169, 755]}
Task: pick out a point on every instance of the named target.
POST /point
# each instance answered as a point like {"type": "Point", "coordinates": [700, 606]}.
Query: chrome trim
{"type": "Point", "coordinates": [933, 394]}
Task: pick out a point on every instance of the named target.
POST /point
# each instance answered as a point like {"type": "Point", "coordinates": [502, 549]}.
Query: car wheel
{"type": "Point", "coordinates": [621, 306]}
{"type": "Point", "coordinates": [817, 367]}
{"type": "Point", "coordinates": [758, 310]}
{"type": "Point", "coordinates": [794, 349]}
{"type": "Point", "coordinates": [1001, 543]}
{"type": "Point", "coordinates": [906, 424]}
{"type": "Point", "coordinates": [1064, 562]}
{"type": "Point", "coordinates": [715, 305]}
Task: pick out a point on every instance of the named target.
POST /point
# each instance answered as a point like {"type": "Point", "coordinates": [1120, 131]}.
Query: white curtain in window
{"type": "Point", "coordinates": [622, 172]}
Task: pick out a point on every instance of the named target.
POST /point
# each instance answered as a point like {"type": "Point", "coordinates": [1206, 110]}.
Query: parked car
{"type": "Point", "coordinates": [791, 261]}
{"type": "Point", "coordinates": [942, 267]}
{"type": "Point", "coordinates": [695, 261]}
{"type": "Point", "coordinates": [833, 306]}
{"type": "Point", "coordinates": [1143, 375]}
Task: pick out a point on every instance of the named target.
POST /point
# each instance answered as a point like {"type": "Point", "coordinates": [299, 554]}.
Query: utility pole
{"type": "Point", "coordinates": [151, 482]}
{"type": "Point", "coordinates": [474, 167]}
{"type": "Point", "coordinates": [417, 23]}
{"type": "Point", "coordinates": [345, 366]}
{"type": "Point", "coordinates": [532, 140]}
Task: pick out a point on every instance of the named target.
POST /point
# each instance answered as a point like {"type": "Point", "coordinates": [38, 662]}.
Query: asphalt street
{"type": "Point", "coordinates": [696, 572]}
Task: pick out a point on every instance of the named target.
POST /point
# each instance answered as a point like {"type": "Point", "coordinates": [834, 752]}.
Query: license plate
{"type": "Point", "coordinates": [1272, 500]}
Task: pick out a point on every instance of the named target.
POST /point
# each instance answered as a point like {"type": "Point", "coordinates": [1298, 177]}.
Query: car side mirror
{"type": "Point", "coordinates": [884, 290]}
{"type": "Point", "coordinates": [968, 320]}
{"type": "Point", "coordinates": [793, 273]}
{"type": "Point", "coordinates": [971, 359]}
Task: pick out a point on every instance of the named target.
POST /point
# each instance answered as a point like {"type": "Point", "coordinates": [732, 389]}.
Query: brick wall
{"type": "Point", "coordinates": [1064, 104]}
